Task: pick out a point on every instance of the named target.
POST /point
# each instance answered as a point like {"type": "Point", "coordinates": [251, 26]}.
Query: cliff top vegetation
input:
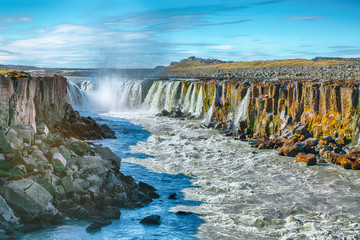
{"type": "Point", "coordinates": [193, 64]}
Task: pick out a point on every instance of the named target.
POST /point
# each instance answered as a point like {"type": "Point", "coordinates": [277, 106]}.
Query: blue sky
{"type": "Point", "coordinates": [144, 33]}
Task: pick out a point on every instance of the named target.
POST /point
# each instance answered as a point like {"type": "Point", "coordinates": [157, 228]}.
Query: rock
{"type": "Point", "coordinates": [107, 131]}
{"type": "Point", "coordinates": [4, 163]}
{"type": "Point", "coordinates": [42, 129]}
{"type": "Point", "coordinates": [183, 213]}
{"type": "Point", "coordinates": [326, 140]}
{"type": "Point", "coordinates": [78, 146]}
{"type": "Point", "coordinates": [26, 132]}
{"type": "Point", "coordinates": [58, 162]}
{"type": "Point", "coordinates": [97, 225]}
{"type": "Point", "coordinates": [10, 143]}
{"type": "Point", "coordinates": [153, 195]}
{"type": "Point", "coordinates": [18, 170]}
{"type": "Point", "coordinates": [172, 196]}
{"type": "Point", "coordinates": [144, 186]}
{"type": "Point", "coordinates": [107, 154]}
{"type": "Point", "coordinates": [64, 152]}
{"type": "Point", "coordinates": [311, 142]}
{"type": "Point", "coordinates": [300, 130]}
{"type": "Point", "coordinates": [356, 164]}
{"type": "Point", "coordinates": [309, 159]}
{"type": "Point", "coordinates": [292, 150]}
{"type": "Point", "coordinates": [111, 212]}
{"type": "Point", "coordinates": [163, 113]}
{"type": "Point", "coordinates": [341, 140]}
{"type": "Point", "coordinates": [83, 183]}
{"type": "Point", "coordinates": [95, 163]}
{"type": "Point", "coordinates": [98, 169]}
{"type": "Point", "coordinates": [29, 200]}
{"type": "Point", "coordinates": [29, 227]}
{"type": "Point", "coordinates": [67, 184]}
{"type": "Point", "coordinates": [153, 220]}
{"type": "Point", "coordinates": [111, 179]}
{"type": "Point", "coordinates": [95, 180]}
{"type": "Point", "coordinates": [6, 213]}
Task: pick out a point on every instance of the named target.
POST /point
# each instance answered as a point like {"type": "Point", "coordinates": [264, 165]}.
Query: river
{"type": "Point", "coordinates": [234, 191]}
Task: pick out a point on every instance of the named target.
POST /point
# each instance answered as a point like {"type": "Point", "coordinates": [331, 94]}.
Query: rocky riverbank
{"type": "Point", "coordinates": [47, 171]}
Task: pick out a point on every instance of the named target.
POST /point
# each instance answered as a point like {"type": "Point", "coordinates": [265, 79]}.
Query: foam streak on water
{"type": "Point", "coordinates": [249, 194]}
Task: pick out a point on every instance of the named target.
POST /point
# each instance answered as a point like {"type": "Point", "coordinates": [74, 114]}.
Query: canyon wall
{"type": "Point", "coordinates": [265, 108]}
{"type": "Point", "coordinates": [26, 100]}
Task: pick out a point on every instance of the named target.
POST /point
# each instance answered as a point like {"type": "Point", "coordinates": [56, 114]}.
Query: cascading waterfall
{"type": "Point", "coordinates": [209, 113]}
{"type": "Point", "coordinates": [77, 92]}
{"type": "Point", "coordinates": [241, 113]}
{"type": "Point", "coordinates": [193, 99]}
{"type": "Point", "coordinates": [172, 95]}
{"type": "Point", "coordinates": [199, 103]}
{"type": "Point", "coordinates": [113, 94]}
{"type": "Point", "coordinates": [187, 99]}
{"type": "Point", "coordinates": [107, 94]}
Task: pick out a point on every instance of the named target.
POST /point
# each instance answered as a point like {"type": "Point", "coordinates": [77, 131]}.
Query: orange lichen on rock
{"type": "Point", "coordinates": [309, 159]}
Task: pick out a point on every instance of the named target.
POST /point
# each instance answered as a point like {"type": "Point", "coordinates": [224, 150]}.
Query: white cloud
{"type": "Point", "coordinates": [222, 47]}
{"type": "Point", "coordinates": [73, 46]}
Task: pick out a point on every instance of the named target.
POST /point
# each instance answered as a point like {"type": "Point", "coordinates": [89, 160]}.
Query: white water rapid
{"type": "Point", "coordinates": [248, 193]}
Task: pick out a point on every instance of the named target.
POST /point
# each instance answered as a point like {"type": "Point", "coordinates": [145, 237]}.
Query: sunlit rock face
{"type": "Point", "coordinates": [25, 100]}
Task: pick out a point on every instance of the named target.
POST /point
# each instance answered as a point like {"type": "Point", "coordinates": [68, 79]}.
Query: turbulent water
{"type": "Point", "coordinates": [243, 193]}
{"type": "Point", "coordinates": [128, 226]}
{"type": "Point", "coordinates": [247, 193]}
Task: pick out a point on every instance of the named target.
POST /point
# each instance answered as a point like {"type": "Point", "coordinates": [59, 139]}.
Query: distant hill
{"type": "Point", "coordinates": [317, 68]}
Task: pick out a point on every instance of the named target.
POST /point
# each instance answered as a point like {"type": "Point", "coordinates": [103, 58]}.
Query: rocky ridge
{"type": "Point", "coordinates": [345, 69]}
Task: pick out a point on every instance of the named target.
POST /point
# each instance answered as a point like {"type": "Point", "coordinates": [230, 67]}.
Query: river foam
{"type": "Point", "coordinates": [248, 193]}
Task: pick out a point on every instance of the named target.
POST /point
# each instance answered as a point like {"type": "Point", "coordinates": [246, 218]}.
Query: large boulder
{"type": "Point", "coordinates": [30, 201]}
{"type": "Point", "coordinates": [59, 162]}
{"type": "Point", "coordinates": [42, 129]}
{"type": "Point", "coordinates": [309, 159]}
{"type": "Point", "coordinates": [107, 154]}
{"type": "Point", "coordinates": [26, 132]}
{"type": "Point", "coordinates": [9, 142]}
{"type": "Point", "coordinates": [78, 146]}
{"type": "Point", "coordinates": [96, 164]}
{"type": "Point", "coordinates": [6, 213]}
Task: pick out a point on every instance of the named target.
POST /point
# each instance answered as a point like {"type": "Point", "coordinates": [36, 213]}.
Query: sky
{"type": "Point", "coordinates": [148, 33]}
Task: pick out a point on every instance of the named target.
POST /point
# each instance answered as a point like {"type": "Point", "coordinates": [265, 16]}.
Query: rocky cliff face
{"type": "Point", "coordinates": [25, 100]}
{"type": "Point", "coordinates": [324, 108]}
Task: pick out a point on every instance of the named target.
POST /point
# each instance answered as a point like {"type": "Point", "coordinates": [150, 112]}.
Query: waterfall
{"type": "Point", "coordinates": [109, 93]}
{"type": "Point", "coordinates": [172, 95]}
{"type": "Point", "coordinates": [208, 115]}
{"type": "Point", "coordinates": [117, 94]}
{"type": "Point", "coordinates": [77, 93]}
{"type": "Point", "coordinates": [187, 99]}
{"type": "Point", "coordinates": [199, 103]}
{"type": "Point", "coordinates": [192, 104]}
{"type": "Point", "coordinates": [241, 113]}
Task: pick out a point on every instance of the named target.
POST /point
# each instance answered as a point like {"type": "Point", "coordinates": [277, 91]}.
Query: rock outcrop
{"type": "Point", "coordinates": [26, 100]}
{"type": "Point", "coordinates": [47, 170]}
